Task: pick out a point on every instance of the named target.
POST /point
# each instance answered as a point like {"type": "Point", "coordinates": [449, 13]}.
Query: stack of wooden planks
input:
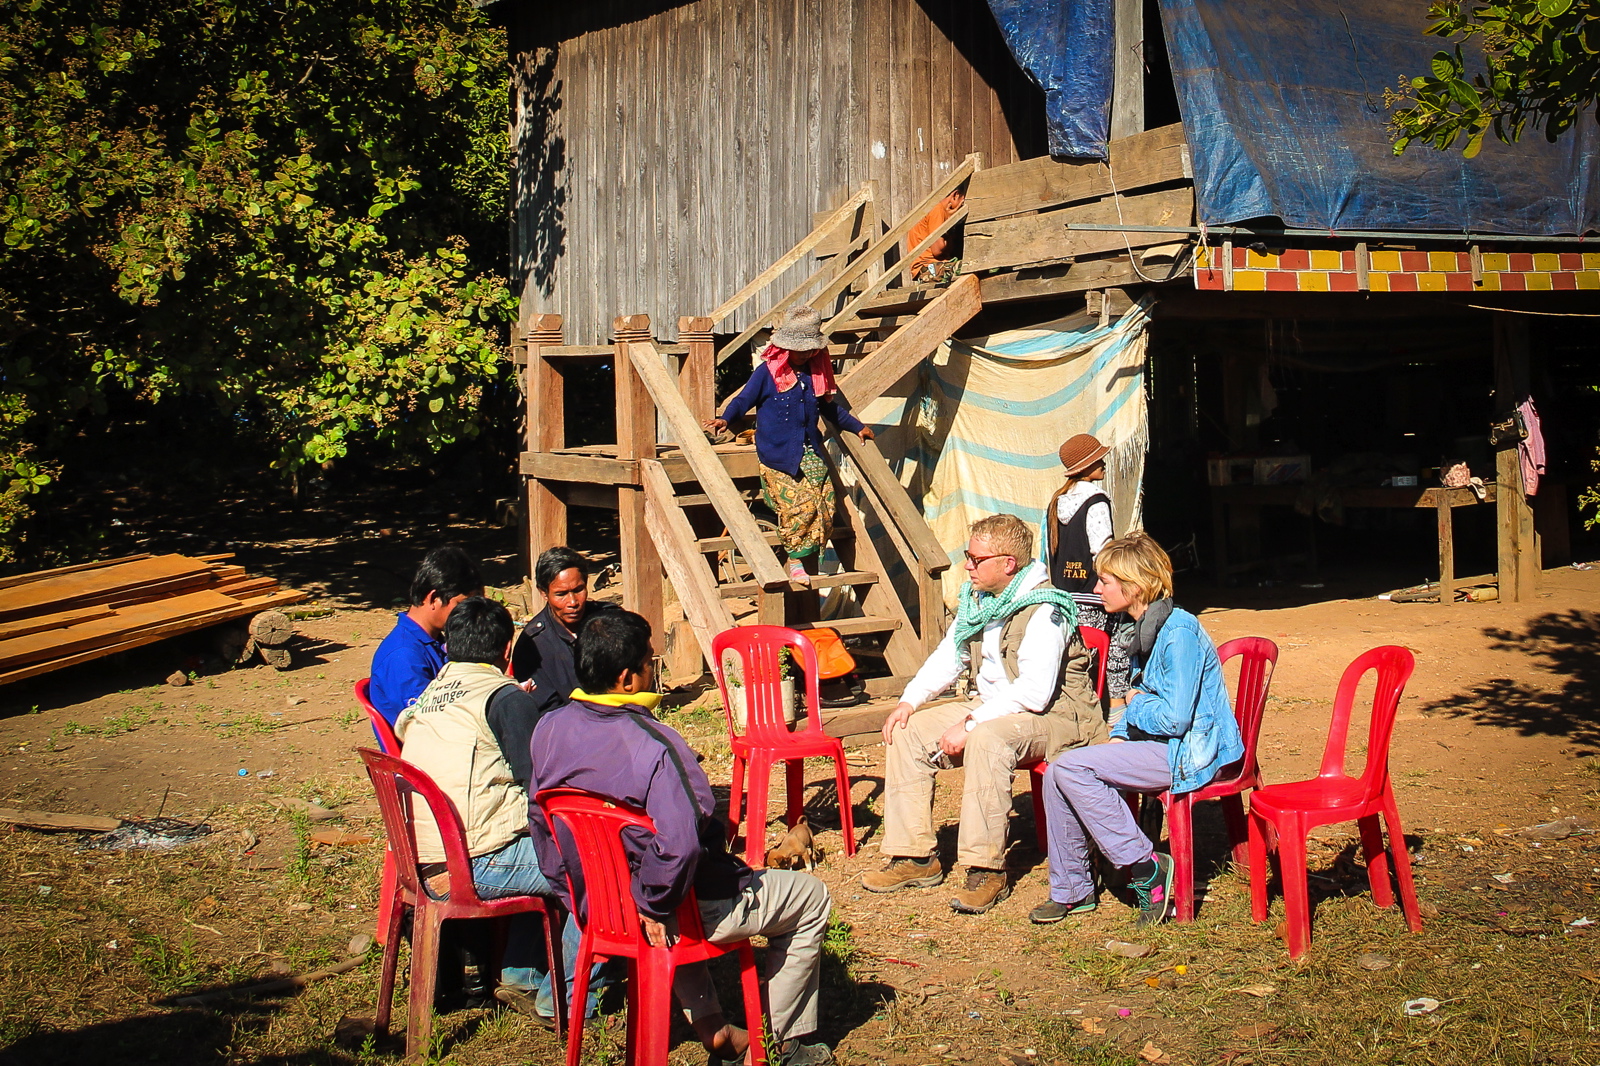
{"type": "Point", "coordinates": [56, 618]}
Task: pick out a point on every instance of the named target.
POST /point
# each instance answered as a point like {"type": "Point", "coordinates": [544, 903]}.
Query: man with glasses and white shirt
{"type": "Point", "coordinates": [1034, 699]}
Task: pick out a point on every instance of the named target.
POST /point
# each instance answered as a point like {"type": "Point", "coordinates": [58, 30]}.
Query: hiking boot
{"type": "Point", "coordinates": [984, 888]}
{"type": "Point", "coordinates": [523, 1001]}
{"type": "Point", "coordinates": [788, 1053]}
{"type": "Point", "coordinates": [1050, 912]}
{"type": "Point", "coordinates": [1155, 895]}
{"type": "Point", "coordinates": [902, 872]}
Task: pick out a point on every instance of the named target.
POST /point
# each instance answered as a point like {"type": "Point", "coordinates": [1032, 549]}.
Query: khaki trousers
{"type": "Point", "coordinates": [791, 910]}
{"type": "Point", "coordinates": [993, 750]}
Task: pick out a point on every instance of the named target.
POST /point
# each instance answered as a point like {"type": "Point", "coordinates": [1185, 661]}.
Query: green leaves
{"type": "Point", "coordinates": [1540, 66]}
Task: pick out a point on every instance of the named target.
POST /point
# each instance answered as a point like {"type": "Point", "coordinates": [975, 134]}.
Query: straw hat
{"type": "Point", "coordinates": [801, 330]}
{"type": "Point", "coordinates": [1081, 452]}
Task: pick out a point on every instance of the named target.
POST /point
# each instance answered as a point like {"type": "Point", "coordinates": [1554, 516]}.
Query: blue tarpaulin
{"type": "Point", "coordinates": [1283, 110]}
{"type": "Point", "coordinates": [1064, 46]}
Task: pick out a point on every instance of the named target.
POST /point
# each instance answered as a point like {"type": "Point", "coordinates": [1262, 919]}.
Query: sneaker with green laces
{"type": "Point", "coordinates": [1155, 894]}
{"type": "Point", "coordinates": [1050, 912]}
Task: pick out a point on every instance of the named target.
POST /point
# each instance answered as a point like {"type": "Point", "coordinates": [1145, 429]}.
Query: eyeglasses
{"type": "Point", "coordinates": [974, 560]}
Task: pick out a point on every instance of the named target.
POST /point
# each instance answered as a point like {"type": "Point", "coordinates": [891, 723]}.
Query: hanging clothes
{"type": "Point", "coordinates": [1531, 448]}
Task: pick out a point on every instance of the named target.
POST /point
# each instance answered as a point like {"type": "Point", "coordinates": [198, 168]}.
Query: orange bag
{"type": "Point", "coordinates": [833, 658]}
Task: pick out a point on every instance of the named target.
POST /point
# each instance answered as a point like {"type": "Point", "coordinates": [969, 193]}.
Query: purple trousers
{"type": "Point", "coordinates": [1082, 805]}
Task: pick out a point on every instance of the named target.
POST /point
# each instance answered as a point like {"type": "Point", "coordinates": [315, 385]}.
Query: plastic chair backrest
{"type": "Point", "coordinates": [381, 729]}
{"type": "Point", "coordinates": [760, 651]}
{"type": "Point", "coordinates": [1099, 642]}
{"type": "Point", "coordinates": [397, 783]}
{"type": "Point", "coordinates": [1258, 657]}
{"type": "Point", "coordinates": [596, 825]}
{"type": "Point", "coordinates": [1393, 665]}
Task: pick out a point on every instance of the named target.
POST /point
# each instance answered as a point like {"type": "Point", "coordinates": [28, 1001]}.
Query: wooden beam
{"type": "Point", "coordinates": [593, 469]}
{"type": "Point", "coordinates": [792, 256]}
{"type": "Point", "coordinates": [902, 650]}
{"type": "Point", "coordinates": [1127, 68]}
{"type": "Point", "coordinates": [83, 823]}
{"type": "Point", "coordinates": [697, 378]}
{"type": "Point", "coordinates": [874, 375]}
{"type": "Point", "coordinates": [636, 439]}
{"type": "Point", "coordinates": [546, 420]}
{"type": "Point", "coordinates": [706, 464]}
{"type": "Point", "coordinates": [1137, 162]}
{"type": "Point", "coordinates": [896, 502]}
{"type": "Point", "coordinates": [1517, 549]}
{"type": "Point", "coordinates": [1036, 238]}
{"type": "Point", "coordinates": [789, 299]}
{"type": "Point", "coordinates": [686, 567]}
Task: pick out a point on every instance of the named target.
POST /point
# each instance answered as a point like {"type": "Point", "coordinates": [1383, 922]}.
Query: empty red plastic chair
{"type": "Point", "coordinates": [389, 744]}
{"type": "Point", "coordinates": [1258, 656]}
{"type": "Point", "coordinates": [1334, 796]}
{"type": "Point", "coordinates": [767, 738]}
{"type": "Point", "coordinates": [397, 784]}
{"type": "Point", "coordinates": [1098, 642]}
{"type": "Point", "coordinates": [591, 826]}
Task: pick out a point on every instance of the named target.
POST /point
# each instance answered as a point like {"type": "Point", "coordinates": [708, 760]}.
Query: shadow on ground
{"type": "Point", "coordinates": [1561, 644]}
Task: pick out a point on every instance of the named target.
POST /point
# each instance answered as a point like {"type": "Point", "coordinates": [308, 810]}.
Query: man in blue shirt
{"type": "Point", "coordinates": [413, 653]}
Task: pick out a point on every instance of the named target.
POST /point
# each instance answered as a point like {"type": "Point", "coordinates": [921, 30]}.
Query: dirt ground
{"type": "Point", "coordinates": [1499, 729]}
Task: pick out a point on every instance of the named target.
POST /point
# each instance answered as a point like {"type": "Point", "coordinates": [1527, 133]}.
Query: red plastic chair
{"type": "Point", "coordinates": [396, 783]}
{"type": "Point", "coordinates": [1259, 656]}
{"type": "Point", "coordinates": [389, 744]}
{"type": "Point", "coordinates": [611, 927]}
{"type": "Point", "coordinates": [1333, 796]}
{"type": "Point", "coordinates": [1099, 642]}
{"type": "Point", "coordinates": [767, 738]}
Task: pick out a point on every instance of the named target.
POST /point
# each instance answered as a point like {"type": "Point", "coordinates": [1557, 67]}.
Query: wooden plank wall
{"type": "Point", "coordinates": [664, 153]}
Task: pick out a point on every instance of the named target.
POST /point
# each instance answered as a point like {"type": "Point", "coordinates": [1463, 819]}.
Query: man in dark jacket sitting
{"type": "Point", "coordinates": [543, 652]}
{"type": "Point", "coordinates": [607, 741]}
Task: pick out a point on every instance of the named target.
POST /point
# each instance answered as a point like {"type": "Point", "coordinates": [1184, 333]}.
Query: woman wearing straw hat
{"type": "Point", "coordinates": [791, 387]}
{"type": "Point", "coordinates": [1077, 524]}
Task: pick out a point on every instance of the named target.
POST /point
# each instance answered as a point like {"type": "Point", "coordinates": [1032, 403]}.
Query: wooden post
{"type": "Point", "coordinates": [1518, 552]}
{"type": "Point", "coordinates": [1127, 69]}
{"type": "Point", "coordinates": [636, 439]}
{"type": "Point", "coordinates": [1447, 548]}
{"type": "Point", "coordinates": [546, 421]}
{"type": "Point", "coordinates": [697, 379]}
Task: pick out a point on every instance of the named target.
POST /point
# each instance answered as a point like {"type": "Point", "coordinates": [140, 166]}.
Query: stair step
{"type": "Point", "coordinates": [847, 627]}
{"type": "Point", "coordinates": [873, 324]}
{"type": "Point", "coordinates": [722, 544]}
{"type": "Point", "coordinates": [818, 581]}
{"type": "Point", "coordinates": [702, 500]}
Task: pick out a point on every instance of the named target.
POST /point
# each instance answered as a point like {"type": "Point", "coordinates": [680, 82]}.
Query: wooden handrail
{"type": "Point", "coordinates": [685, 564]}
{"type": "Point", "coordinates": [793, 255]}
{"type": "Point", "coordinates": [897, 503]}
{"type": "Point", "coordinates": [889, 276]}
{"type": "Point", "coordinates": [707, 467]}
{"type": "Point", "coordinates": [793, 296]}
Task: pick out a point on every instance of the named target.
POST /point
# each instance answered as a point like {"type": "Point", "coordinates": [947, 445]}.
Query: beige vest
{"type": "Point", "coordinates": [446, 735]}
{"type": "Point", "coordinates": [1074, 696]}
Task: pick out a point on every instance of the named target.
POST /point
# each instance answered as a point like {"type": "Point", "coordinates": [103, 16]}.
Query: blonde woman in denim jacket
{"type": "Point", "coordinates": [1178, 731]}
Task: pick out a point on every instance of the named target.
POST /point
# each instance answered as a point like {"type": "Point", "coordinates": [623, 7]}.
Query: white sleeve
{"type": "Point", "coordinates": [936, 674]}
{"type": "Point", "coordinates": [1044, 642]}
{"type": "Point", "coordinates": [1098, 526]}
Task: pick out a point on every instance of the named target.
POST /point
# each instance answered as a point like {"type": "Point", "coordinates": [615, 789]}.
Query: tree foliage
{"type": "Point", "coordinates": [289, 211]}
{"type": "Point", "coordinates": [1537, 64]}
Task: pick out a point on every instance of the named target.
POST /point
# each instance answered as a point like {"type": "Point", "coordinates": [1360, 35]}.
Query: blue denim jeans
{"type": "Point", "coordinates": [514, 871]}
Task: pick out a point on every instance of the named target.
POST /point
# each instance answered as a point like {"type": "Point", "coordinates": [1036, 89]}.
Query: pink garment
{"type": "Point", "coordinates": [1531, 449]}
{"type": "Point", "coordinates": [781, 363]}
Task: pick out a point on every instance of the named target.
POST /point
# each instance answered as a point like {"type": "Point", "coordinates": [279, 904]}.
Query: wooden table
{"type": "Point", "coordinates": [1442, 500]}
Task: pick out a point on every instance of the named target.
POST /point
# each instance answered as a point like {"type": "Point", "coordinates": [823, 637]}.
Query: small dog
{"type": "Point", "coordinates": [797, 849]}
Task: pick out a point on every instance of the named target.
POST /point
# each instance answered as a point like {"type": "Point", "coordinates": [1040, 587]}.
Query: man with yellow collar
{"type": "Point", "coordinates": [607, 741]}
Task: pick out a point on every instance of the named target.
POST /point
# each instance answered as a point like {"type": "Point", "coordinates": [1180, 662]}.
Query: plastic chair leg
{"type": "Point", "coordinates": [755, 1013]}
{"type": "Point", "coordinates": [391, 963]}
{"type": "Point", "coordinates": [1258, 867]}
{"type": "Point", "coordinates": [1402, 865]}
{"type": "Point", "coordinates": [1296, 888]}
{"type": "Point", "coordinates": [580, 998]}
{"type": "Point", "coordinates": [653, 1022]}
{"type": "Point", "coordinates": [755, 825]}
{"type": "Point", "coordinates": [388, 898]}
{"type": "Point", "coordinates": [847, 817]}
{"type": "Point", "coordinates": [424, 978]}
{"type": "Point", "coordinates": [552, 918]}
{"type": "Point", "coordinates": [1041, 828]}
{"type": "Point", "coordinates": [735, 798]}
{"type": "Point", "coordinates": [795, 791]}
{"type": "Point", "coordinates": [1377, 861]}
{"type": "Point", "coordinates": [1180, 831]}
{"type": "Point", "coordinates": [1238, 832]}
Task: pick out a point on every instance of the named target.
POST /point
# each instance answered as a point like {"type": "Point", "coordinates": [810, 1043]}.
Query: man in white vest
{"type": "Point", "coordinates": [469, 731]}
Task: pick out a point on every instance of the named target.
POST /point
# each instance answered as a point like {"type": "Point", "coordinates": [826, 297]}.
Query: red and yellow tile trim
{"type": "Point", "coordinates": [1327, 270]}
